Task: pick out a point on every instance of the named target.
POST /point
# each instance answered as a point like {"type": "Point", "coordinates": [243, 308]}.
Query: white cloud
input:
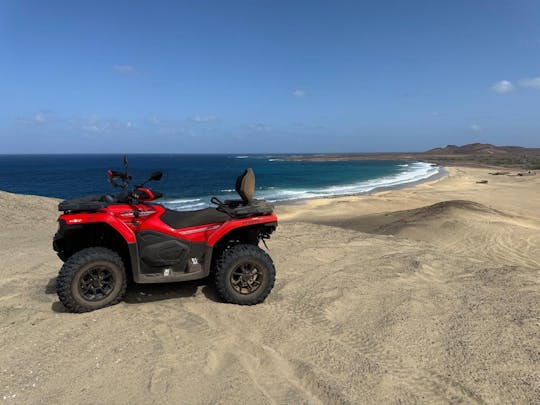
{"type": "Point", "coordinates": [309, 127]}
{"type": "Point", "coordinates": [299, 93]}
{"type": "Point", "coordinates": [533, 83]}
{"type": "Point", "coordinates": [260, 127]}
{"type": "Point", "coordinates": [40, 118]}
{"type": "Point", "coordinates": [155, 120]}
{"type": "Point", "coordinates": [502, 87]}
{"type": "Point", "coordinates": [506, 86]}
{"type": "Point", "coordinates": [476, 127]}
{"type": "Point", "coordinates": [174, 131]}
{"type": "Point", "coordinates": [166, 127]}
{"type": "Point", "coordinates": [91, 128]}
{"type": "Point", "coordinates": [203, 118]}
{"type": "Point", "coordinates": [124, 69]}
{"type": "Point", "coordinates": [96, 124]}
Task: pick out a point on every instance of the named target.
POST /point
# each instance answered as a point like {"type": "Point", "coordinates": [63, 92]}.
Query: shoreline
{"type": "Point", "coordinates": [441, 173]}
{"type": "Point", "coordinates": [304, 185]}
{"type": "Point", "coordinates": [454, 183]}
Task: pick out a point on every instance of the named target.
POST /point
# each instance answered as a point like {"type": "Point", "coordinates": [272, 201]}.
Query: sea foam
{"type": "Point", "coordinates": [410, 173]}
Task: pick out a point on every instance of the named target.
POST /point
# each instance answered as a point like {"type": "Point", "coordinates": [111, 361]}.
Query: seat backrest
{"type": "Point", "coordinates": [245, 185]}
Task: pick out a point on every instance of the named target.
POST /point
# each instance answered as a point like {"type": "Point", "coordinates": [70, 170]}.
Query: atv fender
{"type": "Point", "coordinates": [112, 221]}
{"type": "Point", "coordinates": [265, 221]}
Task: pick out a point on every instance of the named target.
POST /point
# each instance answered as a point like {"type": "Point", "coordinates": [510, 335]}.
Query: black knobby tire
{"type": "Point", "coordinates": [244, 275]}
{"type": "Point", "coordinates": [91, 279]}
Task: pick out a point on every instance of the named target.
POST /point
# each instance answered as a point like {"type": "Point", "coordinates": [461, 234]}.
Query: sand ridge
{"type": "Point", "coordinates": [428, 294]}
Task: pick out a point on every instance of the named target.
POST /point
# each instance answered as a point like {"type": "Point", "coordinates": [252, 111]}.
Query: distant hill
{"type": "Point", "coordinates": [484, 154]}
{"type": "Point", "coordinates": [473, 154]}
{"type": "Point", "coordinates": [482, 149]}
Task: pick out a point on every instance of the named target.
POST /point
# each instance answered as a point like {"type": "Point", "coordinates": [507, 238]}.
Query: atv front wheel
{"type": "Point", "coordinates": [244, 275]}
{"type": "Point", "coordinates": [91, 279]}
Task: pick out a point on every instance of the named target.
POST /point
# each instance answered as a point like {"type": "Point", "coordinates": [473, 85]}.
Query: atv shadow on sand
{"type": "Point", "coordinates": [141, 293]}
{"type": "Point", "coordinates": [144, 293]}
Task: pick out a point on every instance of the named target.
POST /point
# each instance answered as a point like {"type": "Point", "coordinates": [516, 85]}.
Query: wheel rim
{"type": "Point", "coordinates": [96, 283]}
{"type": "Point", "coordinates": [246, 278]}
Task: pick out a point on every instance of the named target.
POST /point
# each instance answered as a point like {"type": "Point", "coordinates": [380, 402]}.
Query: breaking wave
{"type": "Point", "coordinates": [410, 173]}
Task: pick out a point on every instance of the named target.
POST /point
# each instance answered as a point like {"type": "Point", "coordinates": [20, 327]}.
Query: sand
{"type": "Point", "coordinates": [428, 294]}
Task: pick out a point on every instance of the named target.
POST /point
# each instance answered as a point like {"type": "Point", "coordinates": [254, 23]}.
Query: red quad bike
{"type": "Point", "coordinates": [106, 239]}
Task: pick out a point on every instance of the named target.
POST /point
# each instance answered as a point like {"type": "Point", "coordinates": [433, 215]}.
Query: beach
{"type": "Point", "coordinates": [425, 294]}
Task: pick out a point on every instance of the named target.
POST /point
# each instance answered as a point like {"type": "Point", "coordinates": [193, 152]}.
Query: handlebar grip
{"type": "Point", "coordinates": [115, 173]}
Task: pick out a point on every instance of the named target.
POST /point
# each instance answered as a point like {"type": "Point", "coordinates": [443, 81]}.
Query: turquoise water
{"type": "Point", "coordinates": [190, 181]}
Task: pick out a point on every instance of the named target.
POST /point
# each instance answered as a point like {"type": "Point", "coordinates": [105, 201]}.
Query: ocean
{"type": "Point", "coordinates": [189, 181]}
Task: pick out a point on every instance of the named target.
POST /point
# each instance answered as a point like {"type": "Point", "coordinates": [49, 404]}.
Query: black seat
{"type": "Point", "coordinates": [247, 206]}
{"type": "Point", "coordinates": [185, 219]}
{"type": "Point", "coordinates": [92, 202]}
{"type": "Point", "coordinates": [245, 185]}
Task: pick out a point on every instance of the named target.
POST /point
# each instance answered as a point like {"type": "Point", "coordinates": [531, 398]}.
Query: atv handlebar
{"type": "Point", "coordinates": [139, 192]}
{"type": "Point", "coordinates": [145, 194]}
{"type": "Point", "coordinates": [112, 175]}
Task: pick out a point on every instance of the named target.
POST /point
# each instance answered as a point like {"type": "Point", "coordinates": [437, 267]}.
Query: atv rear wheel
{"type": "Point", "coordinates": [91, 279]}
{"type": "Point", "coordinates": [244, 275]}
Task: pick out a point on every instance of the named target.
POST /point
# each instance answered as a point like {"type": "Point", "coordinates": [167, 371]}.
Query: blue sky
{"type": "Point", "coordinates": [267, 76]}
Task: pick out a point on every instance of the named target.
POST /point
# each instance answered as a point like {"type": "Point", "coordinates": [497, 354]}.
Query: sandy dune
{"type": "Point", "coordinates": [429, 294]}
